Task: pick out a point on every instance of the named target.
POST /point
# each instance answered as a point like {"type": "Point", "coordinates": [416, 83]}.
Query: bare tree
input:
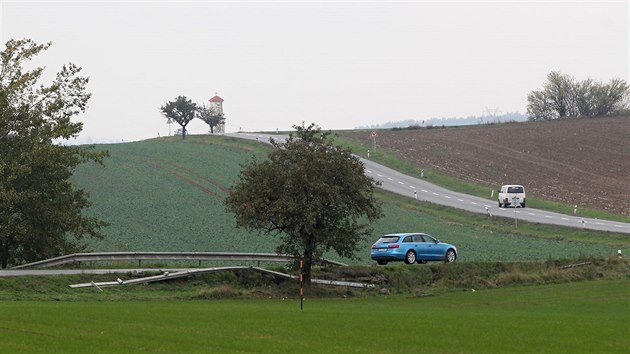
{"type": "Point", "coordinates": [562, 96]}
{"type": "Point", "coordinates": [211, 116]}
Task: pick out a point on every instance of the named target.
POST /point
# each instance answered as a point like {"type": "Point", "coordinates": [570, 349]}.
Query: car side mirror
{"type": "Point", "coordinates": [437, 241]}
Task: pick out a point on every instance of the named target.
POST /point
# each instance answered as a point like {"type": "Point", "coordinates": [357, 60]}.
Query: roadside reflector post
{"type": "Point", "coordinates": [301, 284]}
{"type": "Point", "coordinates": [415, 194]}
{"type": "Point", "coordinates": [492, 194]}
{"type": "Point", "coordinates": [374, 139]}
{"type": "Point", "coordinates": [575, 210]}
{"type": "Point", "coordinates": [619, 254]}
{"type": "Point", "coordinates": [368, 153]}
{"type": "Point", "coordinates": [422, 173]}
{"type": "Point", "coordinates": [514, 203]}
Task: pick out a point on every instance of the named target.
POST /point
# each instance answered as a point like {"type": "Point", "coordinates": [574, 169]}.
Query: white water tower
{"type": "Point", "coordinates": [216, 102]}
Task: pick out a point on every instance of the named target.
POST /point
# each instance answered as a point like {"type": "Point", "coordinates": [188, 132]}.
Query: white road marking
{"type": "Point", "coordinates": [435, 193]}
{"type": "Point", "coordinates": [549, 216]}
{"type": "Point", "coordinates": [391, 179]}
{"type": "Point", "coordinates": [424, 190]}
{"type": "Point", "coordinates": [474, 203]}
{"type": "Point", "coordinates": [460, 200]}
{"type": "Point", "coordinates": [401, 182]}
{"type": "Point", "coordinates": [380, 175]}
{"type": "Point", "coordinates": [447, 197]}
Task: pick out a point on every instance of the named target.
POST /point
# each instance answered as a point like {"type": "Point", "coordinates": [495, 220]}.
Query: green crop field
{"type": "Point", "coordinates": [166, 195]}
{"type": "Point", "coordinates": [585, 317]}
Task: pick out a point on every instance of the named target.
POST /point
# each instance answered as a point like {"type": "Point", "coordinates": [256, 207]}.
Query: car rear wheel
{"type": "Point", "coordinates": [410, 257]}
{"type": "Point", "coordinates": [381, 262]}
{"type": "Point", "coordinates": [450, 256]}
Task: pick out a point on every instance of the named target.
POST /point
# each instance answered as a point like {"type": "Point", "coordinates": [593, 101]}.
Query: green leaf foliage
{"type": "Point", "coordinates": [182, 110]}
{"type": "Point", "coordinates": [40, 210]}
{"type": "Point", "coordinates": [313, 194]}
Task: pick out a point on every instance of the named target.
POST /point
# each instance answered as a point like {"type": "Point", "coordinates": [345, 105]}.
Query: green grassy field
{"type": "Point", "coordinates": [166, 195]}
{"type": "Point", "coordinates": [584, 317]}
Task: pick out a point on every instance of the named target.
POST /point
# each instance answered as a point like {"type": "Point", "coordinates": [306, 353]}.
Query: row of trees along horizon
{"type": "Point", "coordinates": [41, 212]}
{"type": "Point", "coordinates": [561, 97]}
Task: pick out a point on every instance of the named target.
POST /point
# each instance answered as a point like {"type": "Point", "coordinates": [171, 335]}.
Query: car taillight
{"type": "Point", "coordinates": [393, 246]}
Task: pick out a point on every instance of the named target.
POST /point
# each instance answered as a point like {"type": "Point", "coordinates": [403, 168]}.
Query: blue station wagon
{"type": "Point", "coordinates": [412, 248]}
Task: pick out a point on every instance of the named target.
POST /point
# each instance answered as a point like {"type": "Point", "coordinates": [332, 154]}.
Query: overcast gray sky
{"type": "Point", "coordinates": [339, 64]}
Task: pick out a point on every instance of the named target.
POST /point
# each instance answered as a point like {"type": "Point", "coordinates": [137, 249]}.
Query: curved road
{"type": "Point", "coordinates": [412, 187]}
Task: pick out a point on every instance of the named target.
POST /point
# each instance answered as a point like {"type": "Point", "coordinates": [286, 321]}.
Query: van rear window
{"type": "Point", "coordinates": [515, 190]}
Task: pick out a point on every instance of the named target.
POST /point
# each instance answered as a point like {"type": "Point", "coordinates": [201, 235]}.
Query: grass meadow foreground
{"type": "Point", "coordinates": [589, 316]}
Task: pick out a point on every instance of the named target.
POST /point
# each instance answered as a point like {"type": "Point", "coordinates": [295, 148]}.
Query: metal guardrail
{"type": "Point", "coordinates": [188, 272]}
{"type": "Point", "coordinates": [139, 256]}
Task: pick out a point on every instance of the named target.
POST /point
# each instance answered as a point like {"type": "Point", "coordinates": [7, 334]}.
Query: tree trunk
{"type": "Point", "coordinates": [211, 130]}
{"type": "Point", "coordinates": [308, 259]}
{"type": "Point", "coordinates": [4, 254]}
{"type": "Point", "coordinates": [183, 132]}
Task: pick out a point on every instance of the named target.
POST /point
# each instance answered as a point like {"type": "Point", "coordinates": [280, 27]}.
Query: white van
{"type": "Point", "coordinates": [512, 195]}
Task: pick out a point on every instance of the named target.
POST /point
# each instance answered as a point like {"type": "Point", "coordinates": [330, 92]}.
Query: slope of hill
{"type": "Point", "coordinates": [584, 162]}
{"type": "Point", "coordinates": [166, 195]}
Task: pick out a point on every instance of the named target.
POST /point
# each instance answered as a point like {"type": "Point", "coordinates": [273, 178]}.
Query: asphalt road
{"type": "Point", "coordinates": [396, 182]}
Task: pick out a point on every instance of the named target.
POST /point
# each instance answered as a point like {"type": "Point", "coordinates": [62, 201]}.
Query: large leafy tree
{"type": "Point", "coordinates": [181, 110]}
{"type": "Point", "coordinates": [40, 210]}
{"type": "Point", "coordinates": [312, 194]}
{"type": "Point", "coordinates": [211, 116]}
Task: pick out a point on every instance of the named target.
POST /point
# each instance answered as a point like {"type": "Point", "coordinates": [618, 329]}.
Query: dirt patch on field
{"type": "Point", "coordinates": [580, 161]}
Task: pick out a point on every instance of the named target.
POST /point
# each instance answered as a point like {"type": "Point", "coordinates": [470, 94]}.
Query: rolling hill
{"type": "Point", "coordinates": [583, 162]}
{"type": "Point", "coordinates": [166, 195]}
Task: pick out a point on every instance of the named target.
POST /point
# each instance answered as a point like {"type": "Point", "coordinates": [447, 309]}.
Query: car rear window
{"type": "Point", "coordinates": [515, 190]}
{"type": "Point", "coordinates": [388, 239]}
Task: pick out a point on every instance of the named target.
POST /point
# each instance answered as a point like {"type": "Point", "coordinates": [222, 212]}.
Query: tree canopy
{"type": "Point", "coordinates": [40, 210]}
{"type": "Point", "coordinates": [312, 194]}
{"type": "Point", "coordinates": [182, 110]}
{"type": "Point", "coordinates": [211, 116]}
{"type": "Point", "coordinates": [564, 97]}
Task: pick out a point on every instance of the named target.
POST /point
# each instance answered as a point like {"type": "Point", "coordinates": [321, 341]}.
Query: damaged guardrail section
{"type": "Point", "coordinates": [169, 275]}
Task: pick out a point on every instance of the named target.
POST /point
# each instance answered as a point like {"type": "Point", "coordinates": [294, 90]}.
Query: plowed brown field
{"type": "Point", "coordinates": [579, 161]}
